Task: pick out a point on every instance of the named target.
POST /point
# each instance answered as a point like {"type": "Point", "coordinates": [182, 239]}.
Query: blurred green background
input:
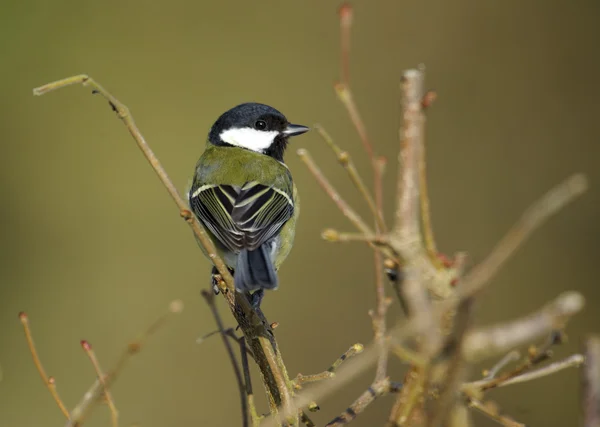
{"type": "Point", "coordinates": [93, 248]}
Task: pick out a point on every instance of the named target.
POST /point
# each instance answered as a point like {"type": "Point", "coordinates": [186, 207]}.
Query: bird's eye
{"type": "Point", "coordinates": [260, 125]}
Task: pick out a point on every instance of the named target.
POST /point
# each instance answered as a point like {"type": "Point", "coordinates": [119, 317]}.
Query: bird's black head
{"type": "Point", "coordinates": [255, 127]}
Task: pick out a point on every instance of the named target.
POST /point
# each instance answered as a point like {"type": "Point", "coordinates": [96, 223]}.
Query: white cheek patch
{"type": "Point", "coordinates": [252, 139]}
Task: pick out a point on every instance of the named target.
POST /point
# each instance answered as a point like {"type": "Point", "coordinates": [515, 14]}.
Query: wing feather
{"type": "Point", "coordinates": [242, 217]}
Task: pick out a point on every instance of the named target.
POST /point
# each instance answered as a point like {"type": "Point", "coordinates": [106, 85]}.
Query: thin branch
{"type": "Point", "coordinates": [406, 355]}
{"type": "Point", "coordinates": [345, 96]}
{"type": "Point", "coordinates": [300, 379]}
{"type": "Point", "coordinates": [86, 404]}
{"type": "Point", "coordinates": [428, 236]}
{"type": "Point", "coordinates": [487, 342]}
{"type": "Point", "coordinates": [344, 374]}
{"type": "Point", "coordinates": [229, 333]}
{"type": "Point", "coordinates": [377, 389]}
{"type": "Point", "coordinates": [348, 212]}
{"type": "Point", "coordinates": [49, 382]}
{"type": "Point", "coordinates": [378, 319]}
{"type": "Point", "coordinates": [533, 218]}
{"type": "Point", "coordinates": [534, 357]}
{"type": "Point", "coordinates": [345, 160]}
{"type": "Point", "coordinates": [591, 383]}
{"type": "Point", "coordinates": [114, 414]}
{"type": "Point", "coordinates": [379, 168]}
{"type": "Point", "coordinates": [345, 14]}
{"type": "Point", "coordinates": [491, 411]}
{"type": "Point", "coordinates": [209, 297]}
{"type": "Point", "coordinates": [254, 417]}
{"type": "Point", "coordinates": [511, 357]}
{"type": "Point", "coordinates": [332, 235]}
{"type": "Point", "coordinates": [573, 361]}
{"type": "Point", "coordinates": [261, 340]}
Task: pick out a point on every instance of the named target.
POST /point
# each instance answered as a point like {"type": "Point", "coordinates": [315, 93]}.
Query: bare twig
{"type": "Point", "coordinates": [573, 361]}
{"type": "Point", "coordinates": [254, 417]}
{"type": "Point", "coordinates": [88, 400]}
{"type": "Point", "coordinates": [407, 355]}
{"type": "Point", "coordinates": [428, 236]}
{"type": "Point", "coordinates": [49, 382]}
{"type": "Point", "coordinates": [490, 341]}
{"type": "Point", "coordinates": [300, 379]}
{"type": "Point", "coordinates": [345, 13]}
{"type": "Point", "coordinates": [89, 351]}
{"type": "Point", "coordinates": [495, 379]}
{"type": "Point", "coordinates": [332, 235]}
{"type": "Point", "coordinates": [513, 356]}
{"type": "Point", "coordinates": [209, 297]}
{"type": "Point", "coordinates": [377, 389]}
{"type": "Point", "coordinates": [348, 212]}
{"type": "Point", "coordinates": [591, 383]}
{"type": "Point", "coordinates": [344, 374]}
{"type": "Point", "coordinates": [533, 218]}
{"type": "Point", "coordinates": [262, 341]}
{"type": "Point", "coordinates": [345, 160]}
{"type": "Point", "coordinates": [345, 96]}
{"type": "Point", "coordinates": [378, 318]}
{"type": "Point", "coordinates": [491, 411]}
{"type": "Point", "coordinates": [229, 333]}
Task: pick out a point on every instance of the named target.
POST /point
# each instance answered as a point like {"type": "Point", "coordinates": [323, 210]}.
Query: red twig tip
{"type": "Point", "coordinates": [23, 317]}
{"type": "Point", "coordinates": [428, 99]}
{"type": "Point", "coordinates": [345, 13]}
{"type": "Point", "coordinates": [51, 380]}
{"type": "Point", "coordinates": [86, 345]}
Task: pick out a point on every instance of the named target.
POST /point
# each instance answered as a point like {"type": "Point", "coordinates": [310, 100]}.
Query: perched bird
{"type": "Point", "coordinates": [244, 195]}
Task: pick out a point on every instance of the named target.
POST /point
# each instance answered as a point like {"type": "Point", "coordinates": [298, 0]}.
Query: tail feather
{"type": "Point", "coordinates": [254, 270]}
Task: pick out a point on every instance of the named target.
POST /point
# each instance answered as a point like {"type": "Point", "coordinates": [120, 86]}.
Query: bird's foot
{"type": "Point", "coordinates": [256, 298]}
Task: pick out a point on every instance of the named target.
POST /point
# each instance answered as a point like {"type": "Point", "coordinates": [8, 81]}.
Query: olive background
{"type": "Point", "coordinates": [93, 248]}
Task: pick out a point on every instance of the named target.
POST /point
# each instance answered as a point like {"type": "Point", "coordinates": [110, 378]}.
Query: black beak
{"type": "Point", "coordinates": [293, 130]}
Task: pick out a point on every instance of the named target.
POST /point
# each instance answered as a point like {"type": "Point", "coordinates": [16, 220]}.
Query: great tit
{"type": "Point", "coordinates": [244, 195]}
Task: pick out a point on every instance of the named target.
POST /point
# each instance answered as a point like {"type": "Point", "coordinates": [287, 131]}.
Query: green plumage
{"type": "Point", "coordinates": [233, 166]}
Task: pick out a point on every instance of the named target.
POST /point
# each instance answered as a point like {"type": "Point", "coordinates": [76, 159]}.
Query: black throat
{"type": "Point", "coordinates": [277, 148]}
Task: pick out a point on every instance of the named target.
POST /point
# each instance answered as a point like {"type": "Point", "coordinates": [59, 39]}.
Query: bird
{"type": "Point", "coordinates": [243, 194]}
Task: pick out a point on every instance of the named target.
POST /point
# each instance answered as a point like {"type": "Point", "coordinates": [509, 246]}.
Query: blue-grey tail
{"type": "Point", "coordinates": [255, 270]}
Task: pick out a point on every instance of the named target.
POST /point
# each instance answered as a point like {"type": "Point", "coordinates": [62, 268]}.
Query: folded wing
{"type": "Point", "coordinates": [242, 217]}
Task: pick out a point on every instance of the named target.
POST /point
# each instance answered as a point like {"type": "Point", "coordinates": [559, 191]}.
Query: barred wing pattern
{"type": "Point", "coordinates": [242, 217]}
